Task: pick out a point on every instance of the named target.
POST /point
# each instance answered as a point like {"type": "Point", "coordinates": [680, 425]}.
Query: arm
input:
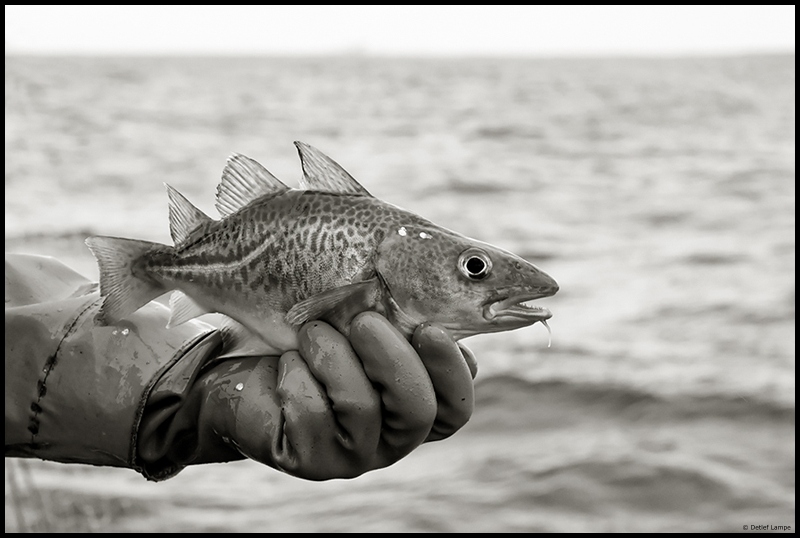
{"type": "Point", "coordinates": [153, 399]}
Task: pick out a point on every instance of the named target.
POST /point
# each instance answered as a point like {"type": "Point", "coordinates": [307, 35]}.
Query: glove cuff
{"type": "Point", "coordinates": [75, 390]}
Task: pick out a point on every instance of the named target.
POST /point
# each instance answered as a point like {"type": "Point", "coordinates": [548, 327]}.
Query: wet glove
{"type": "Point", "coordinates": [138, 395]}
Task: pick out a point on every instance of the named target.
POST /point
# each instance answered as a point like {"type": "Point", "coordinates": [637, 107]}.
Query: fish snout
{"type": "Point", "coordinates": [541, 283]}
{"type": "Point", "coordinates": [550, 286]}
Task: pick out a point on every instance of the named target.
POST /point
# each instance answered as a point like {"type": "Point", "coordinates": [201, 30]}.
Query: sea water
{"type": "Point", "coordinates": [659, 193]}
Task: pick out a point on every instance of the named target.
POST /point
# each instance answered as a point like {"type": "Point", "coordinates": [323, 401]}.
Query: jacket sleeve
{"type": "Point", "coordinates": [138, 395]}
{"type": "Point", "coordinates": [77, 391]}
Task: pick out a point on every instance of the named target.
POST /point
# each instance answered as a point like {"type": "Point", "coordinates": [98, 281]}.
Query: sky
{"type": "Point", "coordinates": [400, 30]}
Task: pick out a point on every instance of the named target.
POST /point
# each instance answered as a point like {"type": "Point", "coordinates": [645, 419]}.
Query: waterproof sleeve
{"type": "Point", "coordinates": [75, 390]}
{"type": "Point", "coordinates": [141, 396]}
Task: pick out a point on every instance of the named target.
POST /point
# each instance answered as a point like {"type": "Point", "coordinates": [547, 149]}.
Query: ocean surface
{"type": "Point", "coordinates": [659, 193]}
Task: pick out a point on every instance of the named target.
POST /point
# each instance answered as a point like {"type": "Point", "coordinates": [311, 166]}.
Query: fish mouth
{"type": "Point", "coordinates": [519, 307]}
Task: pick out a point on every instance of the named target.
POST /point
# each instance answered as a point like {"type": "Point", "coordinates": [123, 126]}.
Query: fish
{"type": "Point", "coordinates": [279, 257]}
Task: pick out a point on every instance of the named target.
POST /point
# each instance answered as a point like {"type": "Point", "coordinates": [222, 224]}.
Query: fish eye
{"type": "Point", "coordinates": [475, 264]}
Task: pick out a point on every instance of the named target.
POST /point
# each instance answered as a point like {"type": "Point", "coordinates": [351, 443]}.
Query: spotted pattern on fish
{"type": "Point", "coordinates": [286, 237]}
{"type": "Point", "coordinates": [292, 255]}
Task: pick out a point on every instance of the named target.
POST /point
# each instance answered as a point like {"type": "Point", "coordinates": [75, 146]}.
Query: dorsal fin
{"type": "Point", "coordinates": [244, 180]}
{"type": "Point", "coordinates": [321, 173]}
{"type": "Point", "coordinates": [184, 217]}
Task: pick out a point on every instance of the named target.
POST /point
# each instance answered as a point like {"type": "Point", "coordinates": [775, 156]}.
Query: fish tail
{"type": "Point", "coordinates": [123, 281]}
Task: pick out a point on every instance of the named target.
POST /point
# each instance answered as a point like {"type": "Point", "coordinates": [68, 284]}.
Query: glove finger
{"type": "Point", "coordinates": [301, 446]}
{"type": "Point", "coordinates": [451, 377]}
{"type": "Point", "coordinates": [469, 356]}
{"type": "Point", "coordinates": [409, 402]}
{"type": "Point", "coordinates": [355, 402]}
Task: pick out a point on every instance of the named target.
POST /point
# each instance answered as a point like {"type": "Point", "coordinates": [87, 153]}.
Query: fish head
{"type": "Point", "coordinates": [435, 275]}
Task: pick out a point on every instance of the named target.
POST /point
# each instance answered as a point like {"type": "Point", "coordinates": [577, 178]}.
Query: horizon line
{"type": "Point", "coordinates": [357, 53]}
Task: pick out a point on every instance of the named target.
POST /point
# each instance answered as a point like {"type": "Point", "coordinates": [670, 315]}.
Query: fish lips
{"type": "Point", "coordinates": [515, 308]}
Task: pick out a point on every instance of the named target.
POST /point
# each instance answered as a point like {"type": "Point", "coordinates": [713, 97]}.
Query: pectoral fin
{"type": "Point", "coordinates": [338, 306]}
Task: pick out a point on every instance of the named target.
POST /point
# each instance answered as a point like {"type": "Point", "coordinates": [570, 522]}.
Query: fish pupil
{"type": "Point", "coordinates": [474, 264]}
{"type": "Point", "coordinates": [476, 267]}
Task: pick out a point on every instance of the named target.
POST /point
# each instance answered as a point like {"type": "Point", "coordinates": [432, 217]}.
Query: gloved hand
{"type": "Point", "coordinates": [335, 408]}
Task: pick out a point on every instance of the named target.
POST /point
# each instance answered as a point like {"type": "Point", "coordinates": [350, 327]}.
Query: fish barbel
{"type": "Point", "coordinates": [280, 256]}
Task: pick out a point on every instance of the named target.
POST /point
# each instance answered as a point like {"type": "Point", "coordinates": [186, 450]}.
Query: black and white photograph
{"type": "Point", "coordinates": [449, 268]}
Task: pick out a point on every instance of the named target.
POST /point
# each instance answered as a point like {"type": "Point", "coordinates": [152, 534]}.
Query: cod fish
{"type": "Point", "coordinates": [280, 257]}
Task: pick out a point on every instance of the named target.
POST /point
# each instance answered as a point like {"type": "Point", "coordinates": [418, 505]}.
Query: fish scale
{"type": "Point", "coordinates": [279, 257]}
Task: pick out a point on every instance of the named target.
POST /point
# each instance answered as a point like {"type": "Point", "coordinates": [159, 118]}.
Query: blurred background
{"type": "Point", "coordinates": [643, 157]}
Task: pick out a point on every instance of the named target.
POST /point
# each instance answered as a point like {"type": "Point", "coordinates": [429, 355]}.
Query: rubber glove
{"type": "Point", "coordinates": [155, 400]}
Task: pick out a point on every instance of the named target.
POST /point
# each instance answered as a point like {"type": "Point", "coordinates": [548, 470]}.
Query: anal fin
{"type": "Point", "coordinates": [183, 308]}
{"type": "Point", "coordinates": [238, 341]}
